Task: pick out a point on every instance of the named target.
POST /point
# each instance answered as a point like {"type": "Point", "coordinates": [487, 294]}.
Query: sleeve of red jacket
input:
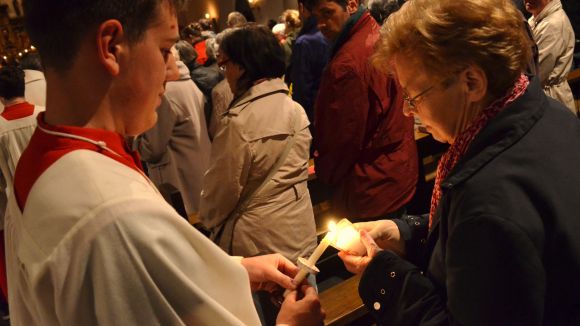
{"type": "Point", "coordinates": [341, 118]}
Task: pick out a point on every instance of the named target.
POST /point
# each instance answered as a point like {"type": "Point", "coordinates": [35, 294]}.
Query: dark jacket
{"type": "Point", "coordinates": [506, 250]}
{"type": "Point", "coordinates": [309, 57]}
{"type": "Point", "coordinates": [366, 146]}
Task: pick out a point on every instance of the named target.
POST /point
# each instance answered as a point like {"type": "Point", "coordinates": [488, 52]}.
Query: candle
{"type": "Point", "coordinates": [326, 241]}
{"type": "Point", "coordinates": [347, 238]}
{"type": "Point", "coordinates": [309, 266]}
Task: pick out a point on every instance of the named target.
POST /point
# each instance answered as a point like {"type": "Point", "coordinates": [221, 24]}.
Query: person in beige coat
{"type": "Point", "coordinates": [255, 197]}
{"type": "Point", "coordinates": [554, 36]}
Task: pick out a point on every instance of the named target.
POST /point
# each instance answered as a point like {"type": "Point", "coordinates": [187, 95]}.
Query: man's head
{"type": "Point", "coordinates": [534, 7]}
{"type": "Point", "coordinates": [11, 83]}
{"type": "Point", "coordinates": [192, 33]}
{"type": "Point", "coordinates": [236, 19]}
{"type": "Point", "coordinates": [332, 15]}
{"type": "Point", "coordinates": [186, 52]}
{"type": "Point", "coordinates": [58, 27]}
{"type": "Point", "coordinates": [109, 56]}
{"type": "Point", "coordinates": [305, 9]}
{"type": "Point", "coordinates": [31, 61]}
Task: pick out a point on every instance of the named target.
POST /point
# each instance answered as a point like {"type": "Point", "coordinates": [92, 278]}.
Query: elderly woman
{"type": "Point", "coordinates": [255, 197]}
{"type": "Point", "coordinates": [501, 245]}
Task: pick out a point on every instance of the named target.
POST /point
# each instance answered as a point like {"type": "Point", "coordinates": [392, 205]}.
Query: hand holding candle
{"type": "Point", "coordinates": [343, 236]}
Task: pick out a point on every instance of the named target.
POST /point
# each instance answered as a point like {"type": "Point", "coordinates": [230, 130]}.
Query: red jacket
{"type": "Point", "coordinates": [366, 146]}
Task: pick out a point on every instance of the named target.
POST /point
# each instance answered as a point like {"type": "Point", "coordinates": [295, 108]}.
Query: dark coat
{"type": "Point", "coordinates": [507, 248]}
{"type": "Point", "coordinates": [366, 146]}
{"type": "Point", "coordinates": [309, 57]}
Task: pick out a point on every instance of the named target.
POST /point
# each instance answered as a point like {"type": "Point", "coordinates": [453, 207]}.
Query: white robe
{"type": "Point", "coordinates": [97, 245]}
{"type": "Point", "coordinates": [14, 137]}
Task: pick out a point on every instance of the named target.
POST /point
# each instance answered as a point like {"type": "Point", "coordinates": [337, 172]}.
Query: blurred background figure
{"type": "Point", "coordinates": [192, 34]}
{"type": "Point", "coordinates": [554, 36]}
{"type": "Point", "coordinates": [382, 9]}
{"type": "Point", "coordinates": [221, 96]}
{"type": "Point", "coordinates": [236, 19]}
{"type": "Point", "coordinates": [310, 55]}
{"type": "Point", "coordinates": [177, 148]}
{"type": "Point", "coordinates": [204, 77]}
{"type": "Point", "coordinates": [34, 81]}
{"type": "Point", "coordinates": [17, 123]}
{"type": "Point", "coordinates": [292, 25]}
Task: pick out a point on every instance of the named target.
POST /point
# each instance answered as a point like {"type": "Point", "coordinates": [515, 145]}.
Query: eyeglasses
{"type": "Point", "coordinates": [222, 64]}
{"type": "Point", "coordinates": [412, 102]}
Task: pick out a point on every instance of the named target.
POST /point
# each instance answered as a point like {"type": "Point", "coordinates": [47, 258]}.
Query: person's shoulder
{"type": "Point", "coordinates": [91, 174]}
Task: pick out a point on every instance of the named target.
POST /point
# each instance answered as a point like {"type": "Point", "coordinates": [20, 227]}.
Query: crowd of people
{"type": "Point", "coordinates": [137, 104]}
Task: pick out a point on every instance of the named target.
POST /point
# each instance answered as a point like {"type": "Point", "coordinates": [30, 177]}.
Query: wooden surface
{"type": "Point", "coordinates": [574, 75]}
{"type": "Point", "coordinates": [342, 303]}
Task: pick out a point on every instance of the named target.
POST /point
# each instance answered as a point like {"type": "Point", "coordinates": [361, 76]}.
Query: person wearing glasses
{"type": "Point", "coordinates": [501, 244]}
{"type": "Point", "coordinates": [255, 197]}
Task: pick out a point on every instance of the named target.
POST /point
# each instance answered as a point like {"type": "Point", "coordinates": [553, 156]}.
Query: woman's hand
{"type": "Point", "coordinates": [357, 264]}
{"type": "Point", "coordinates": [386, 235]}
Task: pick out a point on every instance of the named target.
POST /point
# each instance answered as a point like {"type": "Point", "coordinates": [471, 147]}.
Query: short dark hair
{"type": "Point", "coordinates": [11, 82]}
{"type": "Point", "coordinates": [255, 49]}
{"type": "Point", "coordinates": [382, 9]}
{"type": "Point", "coordinates": [205, 24]}
{"type": "Point", "coordinates": [191, 30]}
{"type": "Point", "coordinates": [57, 27]}
{"type": "Point", "coordinates": [31, 60]}
{"type": "Point", "coordinates": [310, 4]}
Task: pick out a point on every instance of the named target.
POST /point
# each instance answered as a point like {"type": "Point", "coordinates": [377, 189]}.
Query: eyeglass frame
{"type": "Point", "coordinates": [412, 101]}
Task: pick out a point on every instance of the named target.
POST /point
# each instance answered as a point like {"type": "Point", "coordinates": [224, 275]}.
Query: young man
{"type": "Point", "coordinates": [366, 147]}
{"type": "Point", "coordinates": [17, 123]}
{"type": "Point", "coordinates": [90, 240]}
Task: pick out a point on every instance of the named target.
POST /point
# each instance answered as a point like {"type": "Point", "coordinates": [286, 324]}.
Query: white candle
{"type": "Point", "coordinates": [311, 262]}
{"type": "Point", "coordinates": [320, 249]}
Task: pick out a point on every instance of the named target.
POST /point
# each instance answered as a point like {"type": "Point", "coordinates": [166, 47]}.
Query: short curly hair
{"type": "Point", "coordinates": [446, 36]}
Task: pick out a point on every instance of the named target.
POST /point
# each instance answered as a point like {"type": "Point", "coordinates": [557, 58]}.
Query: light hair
{"type": "Point", "coordinates": [446, 36]}
{"type": "Point", "coordinates": [236, 19]}
{"type": "Point", "coordinates": [291, 19]}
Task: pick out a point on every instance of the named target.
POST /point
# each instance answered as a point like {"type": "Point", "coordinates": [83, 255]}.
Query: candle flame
{"type": "Point", "coordinates": [331, 226]}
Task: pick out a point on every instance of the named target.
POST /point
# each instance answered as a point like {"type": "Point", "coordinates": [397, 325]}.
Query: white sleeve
{"type": "Point", "coordinates": [151, 267]}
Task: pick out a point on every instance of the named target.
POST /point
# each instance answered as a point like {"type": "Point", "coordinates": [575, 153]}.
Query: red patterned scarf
{"type": "Point", "coordinates": [464, 139]}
